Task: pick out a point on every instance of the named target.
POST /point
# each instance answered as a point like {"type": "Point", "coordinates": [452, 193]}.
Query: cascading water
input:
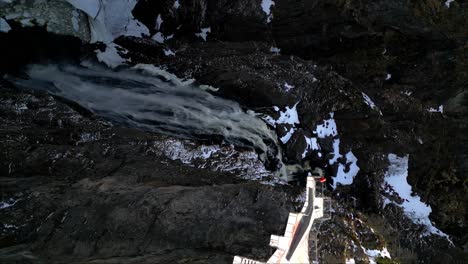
{"type": "Point", "coordinates": [149, 98]}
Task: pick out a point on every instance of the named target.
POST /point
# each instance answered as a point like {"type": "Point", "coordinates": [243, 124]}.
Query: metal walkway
{"type": "Point", "coordinates": [293, 246]}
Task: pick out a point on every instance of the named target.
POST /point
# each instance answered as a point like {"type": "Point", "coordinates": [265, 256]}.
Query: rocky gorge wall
{"type": "Point", "coordinates": [409, 58]}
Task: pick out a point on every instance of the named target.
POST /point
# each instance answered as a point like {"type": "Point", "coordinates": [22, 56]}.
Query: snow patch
{"type": "Point", "coordinates": [4, 26]}
{"type": "Point", "coordinates": [343, 177]}
{"type": "Point", "coordinates": [75, 20]}
{"type": "Point", "coordinates": [336, 151]}
{"type": "Point", "coordinates": [289, 116]}
{"type": "Point", "coordinates": [176, 4]}
{"type": "Point", "coordinates": [169, 52]}
{"type": "Point", "coordinates": [395, 183]}
{"type": "Point", "coordinates": [159, 22]}
{"type": "Point", "coordinates": [266, 7]}
{"type": "Point", "coordinates": [204, 33]}
{"type": "Point", "coordinates": [111, 56]}
{"type": "Point", "coordinates": [388, 76]}
{"type": "Point", "coordinates": [312, 144]}
{"type": "Point", "coordinates": [8, 203]}
{"type": "Point", "coordinates": [440, 109]}
{"type": "Point", "coordinates": [275, 50]}
{"type": "Point", "coordinates": [288, 136]}
{"type": "Point", "coordinates": [327, 129]}
{"type": "Point", "coordinates": [158, 37]}
{"type": "Point", "coordinates": [288, 87]}
{"type": "Point", "coordinates": [448, 3]}
{"type": "Point", "coordinates": [372, 254]}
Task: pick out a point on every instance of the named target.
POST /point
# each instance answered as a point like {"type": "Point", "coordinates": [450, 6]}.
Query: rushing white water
{"type": "Point", "coordinates": [154, 101]}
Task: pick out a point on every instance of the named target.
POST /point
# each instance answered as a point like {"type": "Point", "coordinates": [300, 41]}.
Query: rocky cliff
{"type": "Point", "coordinates": [390, 75]}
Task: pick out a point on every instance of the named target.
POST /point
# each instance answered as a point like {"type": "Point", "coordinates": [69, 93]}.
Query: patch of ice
{"type": "Point", "coordinates": [448, 3]}
{"type": "Point", "coordinates": [312, 144]}
{"type": "Point", "coordinates": [395, 183]}
{"type": "Point", "coordinates": [436, 110]}
{"type": "Point", "coordinates": [327, 129]}
{"type": "Point", "coordinates": [289, 116]}
{"type": "Point", "coordinates": [288, 87]}
{"type": "Point", "coordinates": [346, 178]}
{"type": "Point", "coordinates": [176, 4]}
{"type": "Point", "coordinates": [275, 50]}
{"type": "Point", "coordinates": [288, 136]}
{"type": "Point", "coordinates": [159, 22]}
{"type": "Point", "coordinates": [158, 37]}
{"type": "Point", "coordinates": [111, 56]}
{"type": "Point", "coordinates": [169, 52]}
{"type": "Point", "coordinates": [266, 7]}
{"type": "Point", "coordinates": [203, 33]}
{"type": "Point", "coordinates": [4, 26]}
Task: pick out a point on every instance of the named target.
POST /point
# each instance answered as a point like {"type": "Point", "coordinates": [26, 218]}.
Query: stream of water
{"type": "Point", "coordinates": [151, 99]}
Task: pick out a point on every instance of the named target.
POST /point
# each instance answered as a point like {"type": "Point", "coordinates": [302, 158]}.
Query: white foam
{"type": "Point", "coordinates": [372, 254]}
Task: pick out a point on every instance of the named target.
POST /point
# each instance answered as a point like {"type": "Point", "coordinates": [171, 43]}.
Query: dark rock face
{"type": "Point", "coordinates": [230, 20]}
{"type": "Point", "coordinates": [84, 191]}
